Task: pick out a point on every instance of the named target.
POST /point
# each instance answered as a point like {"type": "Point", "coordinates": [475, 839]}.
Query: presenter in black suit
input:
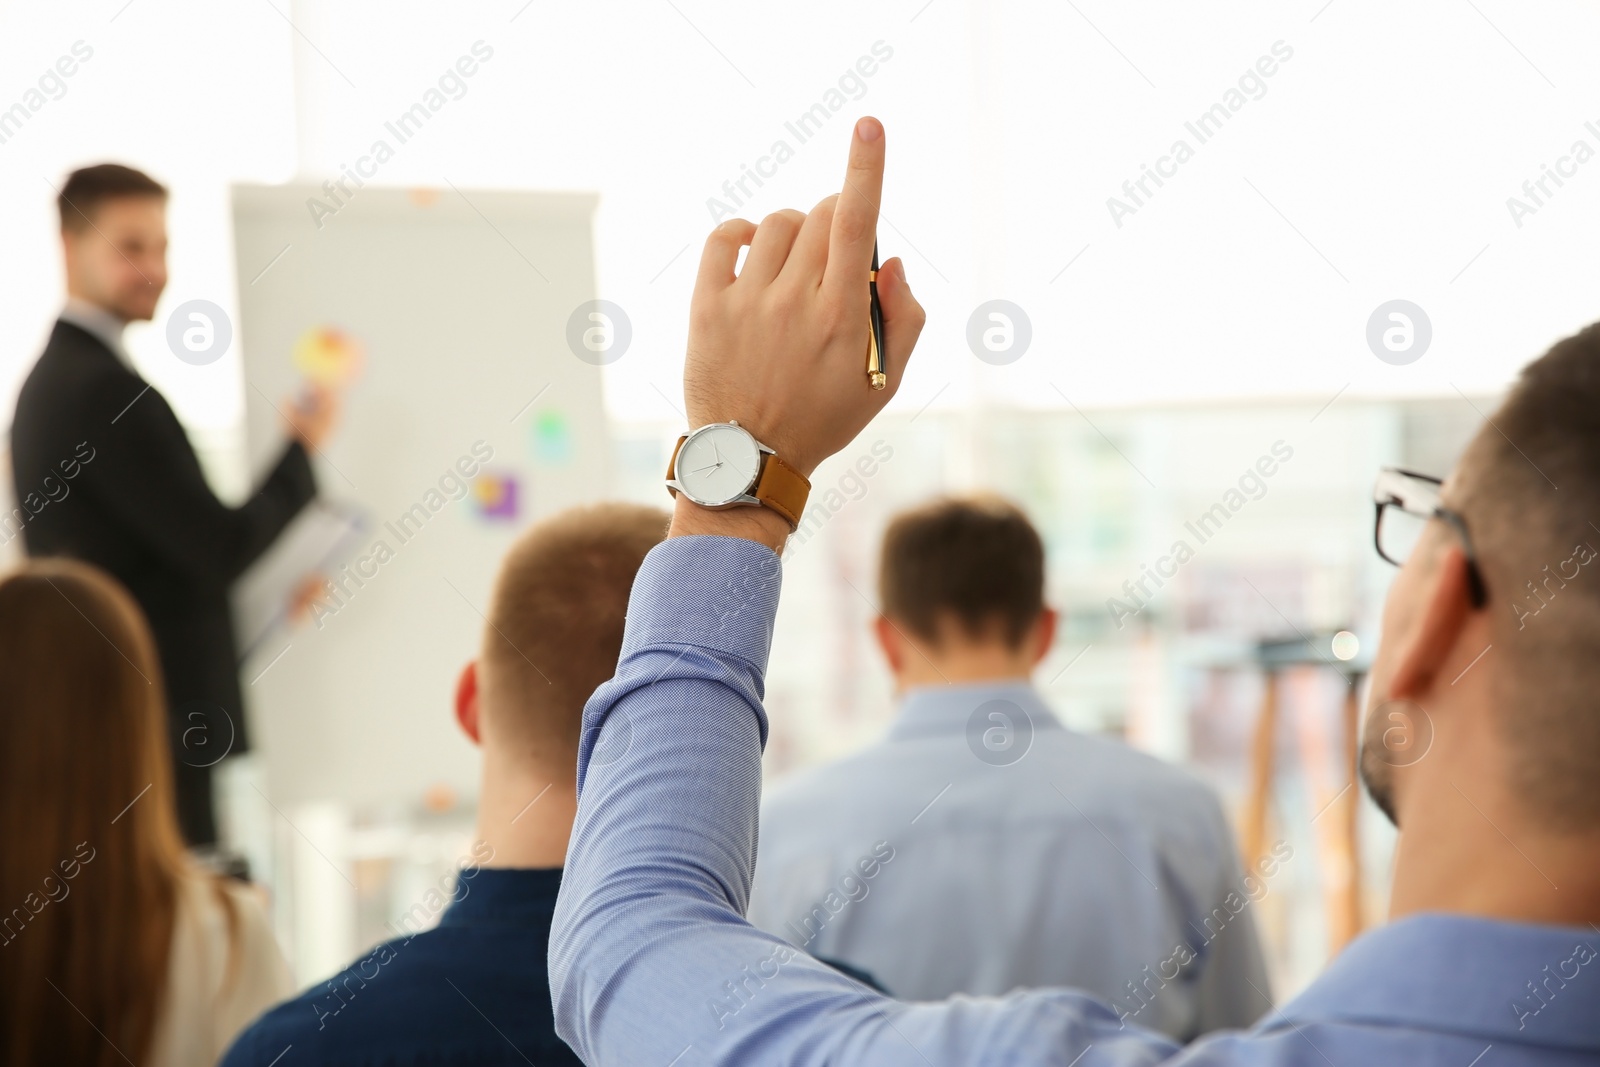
{"type": "Point", "coordinates": [105, 473]}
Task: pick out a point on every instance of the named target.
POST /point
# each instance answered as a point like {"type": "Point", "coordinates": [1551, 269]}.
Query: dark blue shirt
{"type": "Point", "coordinates": [473, 990]}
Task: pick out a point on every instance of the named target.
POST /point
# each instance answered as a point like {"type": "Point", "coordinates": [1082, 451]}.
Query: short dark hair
{"type": "Point", "coordinates": [555, 622]}
{"type": "Point", "coordinates": [87, 188]}
{"type": "Point", "coordinates": [976, 561]}
{"type": "Point", "coordinates": [1535, 543]}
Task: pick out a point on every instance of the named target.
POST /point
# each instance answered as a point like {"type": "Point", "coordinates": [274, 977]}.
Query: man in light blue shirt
{"type": "Point", "coordinates": [1485, 749]}
{"type": "Point", "coordinates": [996, 829]}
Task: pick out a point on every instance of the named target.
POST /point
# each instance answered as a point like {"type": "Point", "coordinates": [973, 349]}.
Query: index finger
{"type": "Point", "coordinates": [855, 216]}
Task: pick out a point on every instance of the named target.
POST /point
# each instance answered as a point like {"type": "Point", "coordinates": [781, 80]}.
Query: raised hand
{"type": "Point", "coordinates": [782, 346]}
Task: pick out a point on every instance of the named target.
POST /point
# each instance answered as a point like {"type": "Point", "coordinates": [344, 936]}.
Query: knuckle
{"type": "Point", "coordinates": [782, 222]}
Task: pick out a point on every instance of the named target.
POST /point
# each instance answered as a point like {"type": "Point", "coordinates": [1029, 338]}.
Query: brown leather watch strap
{"type": "Point", "coordinates": [783, 489]}
{"type": "Point", "coordinates": [672, 464]}
{"type": "Point", "coordinates": [779, 486]}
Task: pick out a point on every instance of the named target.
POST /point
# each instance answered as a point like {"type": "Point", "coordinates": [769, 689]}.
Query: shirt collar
{"type": "Point", "coordinates": [504, 894]}
{"type": "Point", "coordinates": [943, 710]}
{"type": "Point", "coordinates": [96, 320]}
{"type": "Point", "coordinates": [1463, 974]}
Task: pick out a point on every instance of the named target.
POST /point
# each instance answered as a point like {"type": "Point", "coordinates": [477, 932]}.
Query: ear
{"type": "Point", "coordinates": [467, 701]}
{"type": "Point", "coordinates": [890, 644]}
{"type": "Point", "coordinates": [1044, 634]}
{"type": "Point", "coordinates": [1448, 607]}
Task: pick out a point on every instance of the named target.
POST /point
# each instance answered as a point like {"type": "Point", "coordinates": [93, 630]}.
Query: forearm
{"type": "Point", "coordinates": [287, 489]}
{"type": "Point", "coordinates": [669, 776]}
{"type": "Point", "coordinates": [649, 953]}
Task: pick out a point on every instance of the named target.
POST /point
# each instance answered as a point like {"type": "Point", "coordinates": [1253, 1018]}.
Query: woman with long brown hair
{"type": "Point", "coordinates": [115, 946]}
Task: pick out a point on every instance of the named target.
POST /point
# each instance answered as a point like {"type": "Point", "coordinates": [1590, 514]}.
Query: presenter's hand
{"type": "Point", "coordinates": [313, 415]}
{"type": "Point", "coordinates": [782, 346]}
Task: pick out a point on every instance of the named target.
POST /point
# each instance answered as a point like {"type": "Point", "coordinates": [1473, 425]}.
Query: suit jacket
{"type": "Point", "coordinates": [105, 473]}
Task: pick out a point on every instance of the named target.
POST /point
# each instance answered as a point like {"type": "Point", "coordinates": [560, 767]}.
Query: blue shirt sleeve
{"type": "Point", "coordinates": [651, 959]}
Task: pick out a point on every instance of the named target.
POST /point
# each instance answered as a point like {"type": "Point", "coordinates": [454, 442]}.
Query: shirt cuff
{"type": "Point", "coordinates": [710, 592]}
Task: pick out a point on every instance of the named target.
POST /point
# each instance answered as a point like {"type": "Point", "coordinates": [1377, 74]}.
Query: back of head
{"type": "Point", "coordinates": [555, 626]}
{"type": "Point", "coordinates": [972, 563]}
{"type": "Point", "coordinates": [86, 816]}
{"type": "Point", "coordinates": [1528, 487]}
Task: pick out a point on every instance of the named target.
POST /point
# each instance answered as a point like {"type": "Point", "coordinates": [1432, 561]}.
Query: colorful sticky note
{"type": "Point", "coordinates": [495, 495]}
{"type": "Point", "coordinates": [552, 438]}
{"type": "Point", "coordinates": [329, 356]}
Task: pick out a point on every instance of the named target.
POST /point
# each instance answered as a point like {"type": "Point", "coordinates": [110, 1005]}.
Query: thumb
{"type": "Point", "coordinates": [903, 318]}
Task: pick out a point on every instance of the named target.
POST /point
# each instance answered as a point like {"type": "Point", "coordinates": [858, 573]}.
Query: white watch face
{"type": "Point", "coordinates": [718, 464]}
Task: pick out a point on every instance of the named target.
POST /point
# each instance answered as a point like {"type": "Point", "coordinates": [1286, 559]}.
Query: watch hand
{"type": "Point", "coordinates": [707, 467]}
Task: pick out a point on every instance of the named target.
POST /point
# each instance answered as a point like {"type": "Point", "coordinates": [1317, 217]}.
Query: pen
{"type": "Point", "coordinates": [877, 370]}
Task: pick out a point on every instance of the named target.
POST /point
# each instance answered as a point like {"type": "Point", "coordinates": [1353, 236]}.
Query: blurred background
{"type": "Point", "coordinates": [1369, 226]}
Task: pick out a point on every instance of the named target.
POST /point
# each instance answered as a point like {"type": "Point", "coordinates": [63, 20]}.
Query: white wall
{"type": "Point", "coordinates": [1378, 164]}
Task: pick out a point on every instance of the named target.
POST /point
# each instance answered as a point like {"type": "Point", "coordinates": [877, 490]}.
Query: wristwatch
{"type": "Point", "coordinates": [721, 465]}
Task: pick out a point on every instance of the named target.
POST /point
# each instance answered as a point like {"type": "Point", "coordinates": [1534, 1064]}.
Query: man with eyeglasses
{"type": "Point", "coordinates": [1490, 956]}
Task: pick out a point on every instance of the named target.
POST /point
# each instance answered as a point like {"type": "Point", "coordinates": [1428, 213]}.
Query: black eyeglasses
{"type": "Point", "coordinates": [1406, 502]}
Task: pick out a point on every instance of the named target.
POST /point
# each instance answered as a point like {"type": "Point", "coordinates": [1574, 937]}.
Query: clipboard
{"type": "Point", "coordinates": [325, 535]}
